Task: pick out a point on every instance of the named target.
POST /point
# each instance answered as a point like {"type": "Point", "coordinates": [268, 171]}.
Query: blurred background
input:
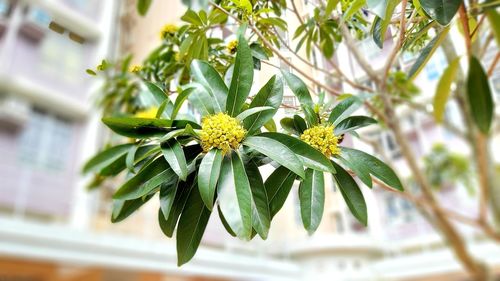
{"type": "Point", "coordinates": [51, 228]}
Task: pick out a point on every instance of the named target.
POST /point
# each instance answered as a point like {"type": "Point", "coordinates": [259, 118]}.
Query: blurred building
{"type": "Point", "coordinates": [52, 229]}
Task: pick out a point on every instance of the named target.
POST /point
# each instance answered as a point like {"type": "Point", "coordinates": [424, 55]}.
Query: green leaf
{"type": "Point", "coordinates": [144, 127]}
{"type": "Point", "coordinates": [353, 123]}
{"type": "Point", "coordinates": [168, 224]}
{"type": "Point", "coordinates": [443, 89]}
{"type": "Point", "coordinates": [173, 153]}
{"type": "Point", "coordinates": [343, 109]}
{"type": "Point", "coordinates": [192, 17]}
{"type": "Point", "coordinates": [105, 158]}
{"type": "Point", "coordinates": [299, 88]}
{"type": "Point", "coordinates": [381, 7]}
{"type": "Point", "coordinates": [311, 157]}
{"type": "Point", "coordinates": [271, 94]}
{"type": "Point", "coordinates": [374, 166]}
{"type": "Point", "coordinates": [278, 186]}
{"type": "Point", "coordinates": [122, 209]}
{"type": "Point", "coordinates": [270, 126]}
{"type": "Point", "coordinates": [358, 167]}
{"type": "Point", "coordinates": [258, 51]}
{"type": "Point", "coordinates": [479, 96]}
{"type": "Point", "coordinates": [351, 193]}
{"type": "Point", "coordinates": [224, 222]}
{"type": "Point", "coordinates": [157, 93]}
{"type": "Point", "coordinates": [183, 95]}
{"type": "Point", "coordinates": [312, 199]}
{"type": "Point", "coordinates": [192, 224]}
{"type": "Point", "coordinates": [354, 7]}
{"type": "Point", "coordinates": [90, 72]}
{"type": "Point", "coordinates": [241, 81]}
{"type": "Point", "coordinates": [289, 126]}
{"type": "Point", "coordinates": [130, 158]}
{"type": "Point", "coordinates": [494, 20]}
{"type": "Point", "coordinates": [143, 6]}
{"type": "Point", "coordinates": [202, 99]}
{"type": "Point", "coordinates": [384, 10]}
{"type": "Point", "coordinates": [442, 11]}
{"type": "Point", "coordinates": [146, 180]}
{"type": "Point", "coordinates": [299, 123]}
{"type": "Point", "coordinates": [378, 31]}
{"type": "Point", "coordinates": [208, 174]}
{"type": "Point", "coordinates": [261, 218]}
{"type": "Point", "coordinates": [251, 111]}
{"type": "Point", "coordinates": [167, 198]}
{"type": "Point", "coordinates": [330, 5]}
{"type": "Point", "coordinates": [120, 163]}
{"type": "Point", "coordinates": [277, 152]}
{"type": "Point", "coordinates": [234, 196]}
{"type": "Point", "coordinates": [426, 53]}
{"type": "Point", "coordinates": [206, 75]}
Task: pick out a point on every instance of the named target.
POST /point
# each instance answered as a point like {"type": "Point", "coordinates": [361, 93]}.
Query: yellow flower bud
{"type": "Point", "coordinates": [323, 139]}
{"type": "Point", "coordinates": [221, 131]}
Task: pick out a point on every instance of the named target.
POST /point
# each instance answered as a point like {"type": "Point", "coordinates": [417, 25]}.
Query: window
{"type": "Point", "coordinates": [45, 142]}
{"type": "Point", "coordinates": [390, 146]}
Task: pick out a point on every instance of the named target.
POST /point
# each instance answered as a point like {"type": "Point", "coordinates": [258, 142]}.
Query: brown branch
{"type": "Point", "coordinates": [399, 43]}
{"type": "Point", "coordinates": [481, 20]}
{"type": "Point", "coordinates": [494, 64]}
{"type": "Point", "coordinates": [462, 12]}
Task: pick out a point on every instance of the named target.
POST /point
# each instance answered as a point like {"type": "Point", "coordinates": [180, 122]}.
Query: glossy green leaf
{"type": "Point", "coordinates": [289, 126]}
{"type": "Point", "coordinates": [353, 123]}
{"type": "Point", "coordinates": [261, 217]}
{"type": "Point", "coordinates": [442, 11]}
{"type": "Point", "coordinates": [443, 89]}
{"type": "Point", "coordinates": [251, 111]}
{"type": "Point", "coordinates": [277, 152]}
{"type": "Point", "coordinates": [381, 7]}
{"type": "Point", "coordinates": [144, 127]}
{"type": "Point", "coordinates": [130, 158]}
{"type": "Point", "coordinates": [479, 96]}
{"type": "Point", "coordinates": [299, 88]}
{"type": "Point", "coordinates": [310, 156]}
{"type": "Point", "coordinates": [105, 158]}
{"type": "Point", "coordinates": [120, 163]}
{"type": "Point", "coordinates": [270, 126]}
{"type": "Point", "coordinates": [192, 224]}
{"type": "Point", "coordinates": [242, 79]}
{"type": "Point", "coordinates": [358, 167]}
{"type": "Point", "coordinates": [208, 174]}
{"type": "Point", "coordinates": [168, 224]}
{"type": "Point", "coordinates": [224, 222]}
{"type": "Point", "coordinates": [343, 109]}
{"type": "Point", "coordinates": [271, 94]}
{"type": "Point", "coordinates": [278, 186]}
{"type": "Point", "coordinates": [426, 54]}
{"type": "Point", "coordinates": [206, 75]}
{"type": "Point", "coordinates": [202, 100]}
{"type": "Point", "coordinates": [312, 199]}
{"type": "Point", "coordinates": [146, 180]}
{"type": "Point", "coordinates": [159, 96]}
{"type": "Point", "coordinates": [179, 101]}
{"type": "Point", "coordinates": [351, 193]}
{"type": "Point", "coordinates": [234, 196]}
{"type": "Point", "coordinates": [299, 123]}
{"type": "Point", "coordinates": [374, 166]}
{"type": "Point", "coordinates": [167, 198]}
{"type": "Point", "coordinates": [173, 153]}
{"type": "Point", "coordinates": [122, 209]}
{"type": "Point", "coordinates": [143, 6]}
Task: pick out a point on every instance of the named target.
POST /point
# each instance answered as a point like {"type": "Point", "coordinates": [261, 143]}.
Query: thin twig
{"type": "Point", "coordinates": [494, 64]}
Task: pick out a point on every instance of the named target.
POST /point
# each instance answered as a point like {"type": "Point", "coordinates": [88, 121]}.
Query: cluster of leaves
{"type": "Point", "coordinates": [167, 157]}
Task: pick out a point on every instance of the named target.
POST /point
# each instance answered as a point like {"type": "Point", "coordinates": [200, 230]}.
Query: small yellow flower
{"type": "Point", "coordinates": [221, 131]}
{"type": "Point", "coordinates": [323, 139]}
{"type": "Point", "coordinates": [232, 46]}
{"type": "Point", "coordinates": [147, 113]}
{"type": "Point", "coordinates": [135, 68]}
{"type": "Point", "coordinates": [168, 30]}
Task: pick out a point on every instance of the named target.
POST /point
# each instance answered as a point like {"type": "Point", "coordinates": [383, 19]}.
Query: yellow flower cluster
{"type": "Point", "coordinates": [232, 46]}
{"type": "Point", "coordinates": [135, 68]}
{"type": "Point", "coordinates": [147, 113]}
{"type": "Point", "coordinates": [221, 131]}
{"type": "Point", "coordinates": [168, 30]}
{"type": "Point", "coordinates": [323, 139]}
